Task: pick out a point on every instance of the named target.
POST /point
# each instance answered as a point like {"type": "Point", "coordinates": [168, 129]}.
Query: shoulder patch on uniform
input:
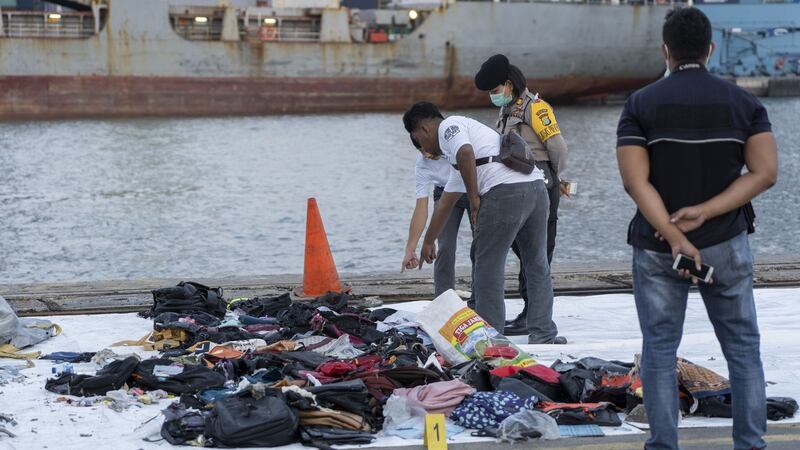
{"type": "Point", "coordinates": [543, 120]}
{"type": "Point", "coordinates": [519, 101]}
{"type": "Point", "coordinates": [544, 116]}
{"type": "Point", "coordinates": [451, 131]}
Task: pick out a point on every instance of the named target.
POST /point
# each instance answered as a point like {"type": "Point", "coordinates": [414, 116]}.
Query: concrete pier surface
{"type": "Point", "coordinates": [134, 295]}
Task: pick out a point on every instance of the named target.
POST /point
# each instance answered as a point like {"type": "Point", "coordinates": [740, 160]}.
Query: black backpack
{"type": "Point", "coordinates": [243, 421]}
{"type": "Point", "coordinates": [191, 379]}
{"type": "Point", "coordinates": [109, 378]}
{"type": "Point", "coordinates": [188, 297]}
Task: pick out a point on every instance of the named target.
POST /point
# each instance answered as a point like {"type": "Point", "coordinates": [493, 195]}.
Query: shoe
{"type": "Point", "coordinates": [558, 340]}
{"type": "Point", "coordinates": [516, 328]}
{"type": "Point", "coordinates": [521, 318]}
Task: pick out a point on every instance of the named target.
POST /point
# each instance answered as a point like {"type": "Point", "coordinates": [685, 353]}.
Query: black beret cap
{"type": "Point", "coordinates": [493, 72]}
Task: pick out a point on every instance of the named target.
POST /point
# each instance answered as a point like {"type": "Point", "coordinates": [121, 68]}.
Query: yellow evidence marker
{"type": "Point", "coordinates": [435, 433]}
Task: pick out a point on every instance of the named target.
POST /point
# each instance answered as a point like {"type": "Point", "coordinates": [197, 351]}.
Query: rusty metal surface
{"type": "Point", "coordinates": [138, 65]}
{"type": "Point", "coordinates": [26, 97]}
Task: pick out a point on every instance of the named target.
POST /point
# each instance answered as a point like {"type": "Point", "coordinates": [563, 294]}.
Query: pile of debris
{"type": "Point", "coordinates": [270, 371]}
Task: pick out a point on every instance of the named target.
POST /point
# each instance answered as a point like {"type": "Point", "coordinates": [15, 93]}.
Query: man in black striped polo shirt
{"type": "Point", "coordinates": [682, 143]}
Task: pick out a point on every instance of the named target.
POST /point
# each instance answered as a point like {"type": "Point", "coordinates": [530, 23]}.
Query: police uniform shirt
{"type": "Point", "coordinates": [694, 126]}
{"type": "Point", "coordinates": [535, 121]}
{"type": "Point", "coordinates": [458, 131]}
{"type": "Point", "coordinates": [430, 172]}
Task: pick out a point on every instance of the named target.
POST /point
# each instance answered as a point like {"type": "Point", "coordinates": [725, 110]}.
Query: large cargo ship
{"type": "Point", "coordinates": [198, 57]}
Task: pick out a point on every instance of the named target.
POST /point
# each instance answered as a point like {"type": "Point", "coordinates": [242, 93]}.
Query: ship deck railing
{"type": "Point", "coordinates": [283, 35]}
{"type": "Point", "coordinates": [27, 24]}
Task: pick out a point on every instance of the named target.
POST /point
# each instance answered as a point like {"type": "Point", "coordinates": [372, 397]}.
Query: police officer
{"type": "Point", "coordinates": [533, 119]}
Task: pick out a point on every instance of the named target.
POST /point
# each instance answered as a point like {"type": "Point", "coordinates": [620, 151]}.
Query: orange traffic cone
{"type": "Point", "coordinates": [319, 274]}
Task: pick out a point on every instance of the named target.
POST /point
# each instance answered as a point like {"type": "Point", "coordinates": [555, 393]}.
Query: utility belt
{"type": "Point", "coordinates": [482, 161]}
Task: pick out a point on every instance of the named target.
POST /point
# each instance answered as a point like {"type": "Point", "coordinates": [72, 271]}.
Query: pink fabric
{"type": "Point", "coordinates": [440, 397]}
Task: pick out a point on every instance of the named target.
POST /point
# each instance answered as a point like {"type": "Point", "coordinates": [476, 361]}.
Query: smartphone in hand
{"type": "Point", "coordinates": [687, 263]}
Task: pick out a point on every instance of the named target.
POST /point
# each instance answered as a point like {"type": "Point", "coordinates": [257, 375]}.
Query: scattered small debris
{"type": "Point", "coordinates": [372, 302]}
{"type": "Point", "coordinates": [712, 359]}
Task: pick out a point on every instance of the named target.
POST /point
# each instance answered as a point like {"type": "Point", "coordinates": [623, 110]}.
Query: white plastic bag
{"type": "Point", "coordinates": [460, 334]}
{"type": "Point", "coordinates": [521, 424]}
{"type": "Point", "coordinates": [9, 323]}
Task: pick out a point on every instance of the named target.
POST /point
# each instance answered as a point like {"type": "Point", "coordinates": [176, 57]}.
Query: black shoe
{"type": "Point", "coordinates": [558, 340]}
{"type": "Point", "coordinates": [521, 317]}
{"type": "Point", "coordinates": [516, 328]}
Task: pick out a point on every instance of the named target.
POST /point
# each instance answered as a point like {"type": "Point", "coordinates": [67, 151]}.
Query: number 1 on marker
{"type": "Point", "coordinates": [435, 432]}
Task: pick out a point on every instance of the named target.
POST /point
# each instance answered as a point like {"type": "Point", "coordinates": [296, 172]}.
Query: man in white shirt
{"type": "Point", "coordinates": [505, 206]}
{"type": "Point", "coordinates": [433, 171]}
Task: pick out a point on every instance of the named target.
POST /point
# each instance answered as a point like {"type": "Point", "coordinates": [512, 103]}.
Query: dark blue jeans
{"type": "Point", "coordinates": [661, 297]}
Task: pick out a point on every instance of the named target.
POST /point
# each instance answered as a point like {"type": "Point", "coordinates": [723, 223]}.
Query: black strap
{"type": "Point", "coordinates": [482, 161]}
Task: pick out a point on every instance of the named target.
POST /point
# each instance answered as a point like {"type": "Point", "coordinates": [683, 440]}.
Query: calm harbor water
{"type": "Point", "coordinates": [112, 199]}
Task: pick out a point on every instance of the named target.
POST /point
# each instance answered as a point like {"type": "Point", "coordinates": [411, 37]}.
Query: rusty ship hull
{"type": "Point", "coordinates": [137, 65]}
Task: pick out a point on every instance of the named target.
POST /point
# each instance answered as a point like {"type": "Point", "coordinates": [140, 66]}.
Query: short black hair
{"type": "Point", "coordinates": [419, 112]}
{"type": "Point", "coordinates": [687, 33]}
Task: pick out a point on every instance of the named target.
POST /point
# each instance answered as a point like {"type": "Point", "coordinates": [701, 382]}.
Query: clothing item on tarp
{"type": "Point", "coordinates": [323, 437]}
{"type": "Point", "coordinates": [441, 397]}
{"type": "Point", "coordinates": [333, 418]}
{"type": "Point", "coordinates": [528, 424]}
{"type": "Point", "coordinates": [475, 373]}
{"type": "Point", "coordinates": [175, 378]}
{"type": "Point", "coordinates": [261, 306]}
{"type": "Point", "coordinates": [72, 357]}
{"type": "Point", "coordinates": [700, 381]}
{"type": "Point", "coordinates": [360, 329]}
{"type": "Point", "coordinates": [339, 348]}
{"type": "Point", "coordinates": [399, 319]}
{"type": "Point", "coordinates": [9, 322]}
{"type": "Point", "coordinates": [488, 409]}
{"type": "Point", "coordinates": [543, 384]}
{"type": "Point", "coordinates": [351, 396]}
{"type": "Point", "coordinates": [779, 408]}
{"type": "Point", "coordinates": [109, 378]}
{"type": "Point", "coordinates": [580, 431]}
{"type": "Point", "coordinates": [522, 389]}
{"type": "Point", "coordinates": [196, 318]}
{"type": "Point", "coordinates": [18, 333]}
{"type": "Point", "coordinates": [602, 414]}
{"type": "Point", "coordinates": [594, 364]}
